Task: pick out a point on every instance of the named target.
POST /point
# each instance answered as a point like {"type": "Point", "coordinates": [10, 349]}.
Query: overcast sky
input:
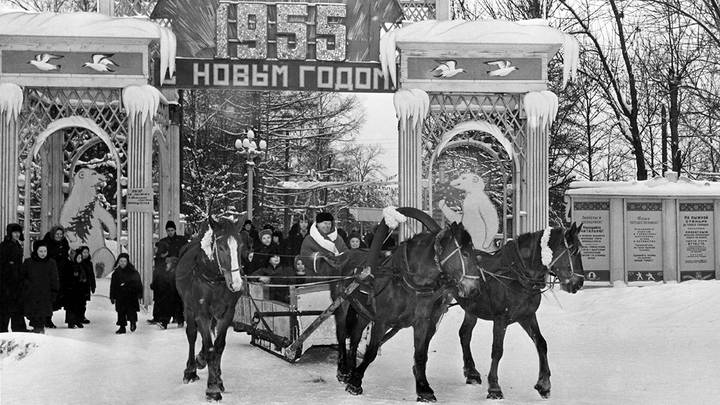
{"type": "Point", "coordinates": [381, 127]}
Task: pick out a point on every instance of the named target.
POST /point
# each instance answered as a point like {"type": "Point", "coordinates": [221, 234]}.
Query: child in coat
{"type": "Point", "coordinates": [125, 290]}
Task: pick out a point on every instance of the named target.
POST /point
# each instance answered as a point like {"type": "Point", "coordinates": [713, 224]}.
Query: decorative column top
{"type": "Point", "coordinates": [541, 108]}
{"type": "Point", "coordinates": [11, 99]}
{"type": "Point", "coordinates": [144, 100]}
{"type": "Point", "coordinates": [411, 104]}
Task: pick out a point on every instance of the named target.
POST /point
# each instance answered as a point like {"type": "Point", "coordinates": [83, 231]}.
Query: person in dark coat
{"type": "Point", "coordinates": [260, 257]}
{"type": "Point", "coordinates": [41, 286]}
{"type": "Point", "coordinates": [162, 285]}
{"type": "Point", "coordinates": [174, 241]}
{"type": "Point", "coordinates": [297, 234]}
{"type": "Point", "coordinates": [11, 282]}
{"type": "Point", "coordinates": [90, 276]}
{"type": "Point", "coordinates": [125, 290]}
{"type": "Point", "coordinates": [355, 241]}
{"type": "Point", "coordinates": [276, 273]}
{"type": "Point", "coordinates": [58, 250]}
{"type": "Point", "coordinates": [323, 246]}
{"type": "Point", "coordinates": [74, 285]}
{"type": "Point", "coordinates": [251, 232]}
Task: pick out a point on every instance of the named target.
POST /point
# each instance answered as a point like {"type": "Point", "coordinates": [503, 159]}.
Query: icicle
{"type": "Point", "coordinates": [571, 53]}
{"type": "Point", "coordinates": [411, 107]}
{"type": "Point", "coordinates": [143, 100]}
{"type": "Point", "coordinates": [541, 109]}
{"type": "Point", "coordinates": [387, 57]}
{"type": "Point", "coordinates": [11, 99]}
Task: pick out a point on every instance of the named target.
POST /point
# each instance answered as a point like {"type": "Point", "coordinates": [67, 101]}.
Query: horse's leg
{"type": "Point", "coordinates": [207, 356]}
{"type": "Point", "coordinates": [356, 334]}
{"type": "Point", "coordinates": [423, 330]}
{"type": "Point", "coordinates": [190, 374]}
{"type": "Point", "coordinates": [532, 328]}
{"type": "Point", "coordinates": [215, 383]}
{"type": "Point", "coordinates": [341, 325]}
{"type": "Point", "coordinates": [499, 327]}
{"type": "Point", "coordinates": [354, 385]}
{"type": "Point", "coordinates": [472, 376]}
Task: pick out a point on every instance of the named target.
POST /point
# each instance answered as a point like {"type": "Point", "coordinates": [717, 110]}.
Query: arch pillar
{"type": "Point", "coordinates": [11, 100]}
{"type": "Point", "coordinates": [141, 104]}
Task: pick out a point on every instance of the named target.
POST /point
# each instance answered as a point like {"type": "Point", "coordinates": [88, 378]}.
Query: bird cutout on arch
{"type": "Point", "coordinates": [102, 63]}
{"type": "Point", "coordinates": [43, 61]}
{"type": "Point", "coordinates": [503, 68]}
{"type": "Point", "coordinates": [447, 69]}
{"type": "Point", "coordinates": [478, 215]}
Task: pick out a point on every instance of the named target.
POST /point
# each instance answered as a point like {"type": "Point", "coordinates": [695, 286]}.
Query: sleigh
{"type": "Point", "coordinates": [287, 320]}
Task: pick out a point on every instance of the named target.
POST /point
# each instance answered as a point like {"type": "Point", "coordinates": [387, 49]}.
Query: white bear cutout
{"type": "Point", "coordinates": [479, 215]}
{"type": "Point", "coordinates": [83, 218]}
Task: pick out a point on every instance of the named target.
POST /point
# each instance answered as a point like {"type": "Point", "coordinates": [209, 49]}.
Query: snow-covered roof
{"type": "Point", "coordinates": [90, 25]}
{"type": "Point", "coordinates": [656, 187]}
{"type": "Point", "coordinates": [497, 32]}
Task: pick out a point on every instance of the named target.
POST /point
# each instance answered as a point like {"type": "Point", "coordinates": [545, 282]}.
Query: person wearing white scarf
{"type": "Point", "coordinates": [322, 242]}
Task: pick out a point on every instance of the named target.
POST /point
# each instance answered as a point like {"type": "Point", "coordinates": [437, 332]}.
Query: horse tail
{"type": "Point", "coordinates": [421, 216]}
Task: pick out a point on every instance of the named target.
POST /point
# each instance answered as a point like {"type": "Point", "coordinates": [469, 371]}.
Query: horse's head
{"type": "Point", "coordinates": [225, 247]}
{"type": "Point", "coordinates": [454, 253]}
{"type": "Point", "coordinates": [566, 262]}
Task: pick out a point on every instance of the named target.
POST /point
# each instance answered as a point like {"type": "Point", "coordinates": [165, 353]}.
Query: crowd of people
{"type": "Point", "coordinates": [55, 276]}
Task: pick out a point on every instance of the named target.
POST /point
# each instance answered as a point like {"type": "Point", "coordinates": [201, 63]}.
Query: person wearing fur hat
{"type": "Point", "coordinates": [58, 250]}
{"type": "Point", "coordinates": [40, 286]}
{"type": "Point", "coordinates": [90, 275]}
{"type": "Point", "coordinates": [162, 285]}
{"type": "Point", "coordinates": [355, 241]}
{"type": "Point", "coordinates": [260, 257]}
{"type": "Point", "coordinates": [323, 245]}
{"type": "Point", "coordinates": [174, 241]}
{"type": "Point", "coordinates": [11, 258]}
{"type": "Point", "coordinates": [125, 290]}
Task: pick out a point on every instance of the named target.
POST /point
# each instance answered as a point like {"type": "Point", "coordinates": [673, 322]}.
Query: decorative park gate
{"type": "Point", "coordinates": [76, 85]}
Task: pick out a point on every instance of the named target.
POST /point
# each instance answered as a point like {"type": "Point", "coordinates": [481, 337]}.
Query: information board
{"type": "Point", "coordinates": [643, 240]}
{"type": "Point", "coordinates": [139, 200]}
{"type": "Point", "coordinates": [696, 240]}
{"type": "Point", "coordinates": [595, 237]}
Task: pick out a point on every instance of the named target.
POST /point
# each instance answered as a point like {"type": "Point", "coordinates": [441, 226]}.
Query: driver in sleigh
{"type": "Point", "coordinates": [322, 250]}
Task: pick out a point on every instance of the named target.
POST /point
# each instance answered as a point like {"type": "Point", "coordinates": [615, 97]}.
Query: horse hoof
{"type": "Point", "coordinates": [544, 392]}
{"type": "Point", "coordinates": [190, 378]}
{"type": "Point", "coordinates": [213, 396]}
{"type": "Point", "coordinates": [354, 389]}
{"type": "Point", "coordinates": [427, 397]}
{"type": "Point", "coordinates": [472, 377]}
{"type": "Point", "coordinates": [200, 362]}
{"type": "Point", "coordinates": [495, 395]}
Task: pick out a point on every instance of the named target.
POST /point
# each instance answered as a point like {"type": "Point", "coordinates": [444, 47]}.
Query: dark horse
{"type": "Point", "coordinates": [412, 287]}
{"type": "Point", "coordinates": [514, 281]}
{"type": "Point", "coordinates": [208, 277]}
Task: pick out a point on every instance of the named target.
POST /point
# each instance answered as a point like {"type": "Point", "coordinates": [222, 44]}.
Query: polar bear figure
{"type": "Point", "coordinates": [83, 218]}
{"type": "Point", "coordinates": [479, 215]}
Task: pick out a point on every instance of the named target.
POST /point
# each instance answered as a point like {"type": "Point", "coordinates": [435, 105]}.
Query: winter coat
{"type": "Point", "coordinates": [164, 290]}
{"type": "Point", "coordinates": [317, 258]}
{"type": "Point", "coordinates": [261, 256]}
{"type": "Point", "coordinates": [280, 275]}
{"type": "Point", "coordinates": [41, 286]}
{"type": "Point", "coordinates": [90, 276]}
{"type": "Point", "coordinates": [59, 251]}
{"type": "Point", "coordinates": [126, 289]}
{"type": "Point", "coordinates": [11, 282]}
{"type": "Point", "coordinates": [73, 285]}
{"type": "Point", "coordinates": [174, 244]}
{"type": "Point", "coordinates": [294, 241]}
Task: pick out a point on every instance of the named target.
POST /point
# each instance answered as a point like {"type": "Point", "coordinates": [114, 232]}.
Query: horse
{"type": "Point", "coordinates": [208, 278]}
{"type": "Point", "coordinates": [412, 287]}
{"type": "Point", "coordinates": [511, 292]}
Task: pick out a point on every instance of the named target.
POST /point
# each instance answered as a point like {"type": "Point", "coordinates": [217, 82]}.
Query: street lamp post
{"type": "Point", "coordinates": [251, 149]}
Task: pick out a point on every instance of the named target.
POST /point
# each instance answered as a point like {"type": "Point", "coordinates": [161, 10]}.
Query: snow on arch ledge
{"type": "Point", "coordinates": [498, 32]}
{"type": "Point", "coordinates": [91, 25]}
{"type": "Point", "coordinates": [70, 122]}
{"type": "Point", "coordinates": [480, 126]}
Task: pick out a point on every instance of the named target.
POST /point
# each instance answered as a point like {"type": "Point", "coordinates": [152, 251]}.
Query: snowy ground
{"type": "Point", "coordinates": [634, 345]}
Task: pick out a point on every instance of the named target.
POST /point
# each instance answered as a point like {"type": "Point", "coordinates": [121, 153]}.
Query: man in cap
{"type": "Point", "coordinates": [11, 282]}
{"type": "Point", "coordinates": [173, 241]}
{"type": "Point", "coordinates": [323, 245]}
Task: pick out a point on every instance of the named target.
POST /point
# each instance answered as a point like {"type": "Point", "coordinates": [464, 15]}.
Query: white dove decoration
{"type": "Point", "coordinates": [101, 63]}
{"type": "Point", "coordinates": [447, 69]}
{"type": "Point", "coordinates": [504, 68]}
{"type": "Point", "coordinates": [42, 62]}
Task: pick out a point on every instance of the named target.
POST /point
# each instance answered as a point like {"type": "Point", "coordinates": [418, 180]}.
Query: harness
{"type": "Point", "coordinates": [221, 276]}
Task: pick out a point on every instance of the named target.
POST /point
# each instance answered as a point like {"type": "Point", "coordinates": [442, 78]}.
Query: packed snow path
{"type": "Point", "coordinates": [649, 345]}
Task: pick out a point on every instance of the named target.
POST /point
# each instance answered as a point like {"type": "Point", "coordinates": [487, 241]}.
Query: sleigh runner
{"type": "Point", "coordinates": [289, 328]}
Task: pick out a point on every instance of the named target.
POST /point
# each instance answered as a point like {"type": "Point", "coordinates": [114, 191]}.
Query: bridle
{"type": "Point", "coordinates": [221, 270]}
{"type": "Point", "coordinates": [571, 255]}
{"type": "Point", "coordinates": [458, 250]}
